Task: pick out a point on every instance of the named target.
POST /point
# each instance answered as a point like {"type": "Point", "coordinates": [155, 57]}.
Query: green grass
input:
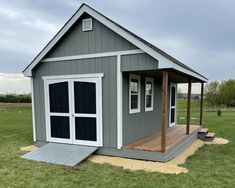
{"type": "Point", "coordinates": [211, 166]}
{"type": "Point", "coordinates": [195, 105]}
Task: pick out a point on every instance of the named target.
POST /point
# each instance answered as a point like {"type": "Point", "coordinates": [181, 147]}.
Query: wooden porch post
{"type": "Point", "coordinates": [164, 110]}
{"type": "Point", "coordinates": [189, 106]}
{"type": "Point", "coordinates": [201, 103]}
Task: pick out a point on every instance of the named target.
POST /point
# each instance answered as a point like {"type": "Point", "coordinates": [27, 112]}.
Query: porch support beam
{"type": "Point", "coordinates": [201, 103]}
{"type": "Point", "coordinates": [164, 110]}
{"type": "Point", "coordinates": [189, 106]}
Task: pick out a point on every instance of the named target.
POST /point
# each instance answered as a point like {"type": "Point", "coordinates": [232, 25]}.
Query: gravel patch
{"type": "Point", "coordinates": [170, 167]}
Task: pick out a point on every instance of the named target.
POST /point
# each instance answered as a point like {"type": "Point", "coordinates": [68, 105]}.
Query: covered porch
{"type": "Point", "coordinates": [169, 135]}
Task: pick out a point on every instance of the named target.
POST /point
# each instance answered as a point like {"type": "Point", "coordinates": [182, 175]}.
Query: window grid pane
{"type": "Point", "coordinates": [149, 93]}
{"type": "Point", "coordinates": [134, 86]}
{"type": "Point", "coordinates": [134, 101]}
{"type": "Point", "coordinates": [148, 88]}
{"type": "Point", "coordinates": [173, 96]}
{"type": "Point", "coordinates": [149, 101]}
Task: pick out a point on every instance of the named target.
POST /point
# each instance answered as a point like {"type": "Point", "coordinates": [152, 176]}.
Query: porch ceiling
{"type": "Point", "coordinates": [174, 76]}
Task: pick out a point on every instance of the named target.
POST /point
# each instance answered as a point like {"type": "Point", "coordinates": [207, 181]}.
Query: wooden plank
{"type": "Point", "coordinates": [164, 110]}
{"type": "Point", "coordinates": [201, 104]}
{"type": "Point", "coordinates": [152, 143]}
{"type": "Point", "coordinates": [210, 135]}
{"type": "Point", "coordinates": [188, 106]}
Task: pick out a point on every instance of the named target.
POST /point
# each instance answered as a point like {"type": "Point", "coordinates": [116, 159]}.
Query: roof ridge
{"type": "Point", "coordinates": [165, 54]}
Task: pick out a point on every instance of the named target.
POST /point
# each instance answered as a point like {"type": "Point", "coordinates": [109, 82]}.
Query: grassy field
{"type": "Point", "coordinates": [195, 106]}
{"type": "Point", "coordinates": [211, 166]}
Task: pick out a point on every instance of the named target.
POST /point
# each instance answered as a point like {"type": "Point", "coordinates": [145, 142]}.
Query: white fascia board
{"type": "Point", "coordinates": [28, 71]}
{"type": "Point", "coordinates": [163, 61]}
{"type": "Point", "coordinates": [181, 69]}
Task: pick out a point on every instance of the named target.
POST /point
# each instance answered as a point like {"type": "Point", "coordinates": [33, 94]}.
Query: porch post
{"type": "Point", "coordinates": [189, 106]}
{"type": "Point", "coordinates": [201, 103]}
{"type": "Point", "coordinates": [164, 110]}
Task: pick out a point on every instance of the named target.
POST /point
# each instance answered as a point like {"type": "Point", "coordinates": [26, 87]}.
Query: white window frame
{"type": "Point", "coordinates": [137, 77]}
{"type": "Point", "coordinates": [83, 22]}
{"type": "Point", "coordinates": [147, 109]}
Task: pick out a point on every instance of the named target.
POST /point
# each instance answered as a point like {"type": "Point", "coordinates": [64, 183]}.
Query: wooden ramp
{"type": "Point", "coordinates": [62, 154]}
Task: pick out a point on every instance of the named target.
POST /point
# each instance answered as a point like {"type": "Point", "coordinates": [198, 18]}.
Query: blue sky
{"type": "Point", "coordinates": [199, 33]}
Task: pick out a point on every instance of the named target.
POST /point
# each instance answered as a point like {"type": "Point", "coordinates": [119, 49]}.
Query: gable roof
{"type": "Point", "coordinates": [164, 59]}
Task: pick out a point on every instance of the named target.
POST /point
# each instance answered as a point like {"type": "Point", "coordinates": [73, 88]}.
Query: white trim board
{"type": "Point", "coordinates": [119, 104]}
{"type": "Point", "coordinates": [96, 55]}
{"type": "Point", "coordinates": [74, 76]}
{"type": "Point", "coordinates": [33, 110]}
{"type": "Point", "coordinates": [163, 61]}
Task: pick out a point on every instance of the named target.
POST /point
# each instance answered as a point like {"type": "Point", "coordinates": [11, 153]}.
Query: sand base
{"type": "Point", "coordinates": [170, 167]}
{"type": "Point", "coordinates": [29, 148]}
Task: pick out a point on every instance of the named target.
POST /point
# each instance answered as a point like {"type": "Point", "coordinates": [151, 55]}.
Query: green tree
{"type": "Point", "coordinates": [212, 93]}
{"type": "Point", "coordinates": [227, 92]}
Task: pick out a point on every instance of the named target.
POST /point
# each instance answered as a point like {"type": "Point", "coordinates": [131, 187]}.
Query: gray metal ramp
{"type": "Point", "coordinates": [63, 154]}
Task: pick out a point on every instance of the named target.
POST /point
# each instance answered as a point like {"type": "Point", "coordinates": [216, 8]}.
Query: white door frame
{"type": "Point", "coordinates": [173, 107]}
{"type": "Point", "coordinates": [95, 78]}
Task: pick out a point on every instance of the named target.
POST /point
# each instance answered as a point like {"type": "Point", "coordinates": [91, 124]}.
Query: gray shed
{"type": "Point", "coordinates": [96, 84]}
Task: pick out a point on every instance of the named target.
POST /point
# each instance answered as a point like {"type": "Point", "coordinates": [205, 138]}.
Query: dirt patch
{"type": "Point", "coordinates": [13, 105]}
{"type": "Point", "coordinates": [170, 167]}
{"type": "Point", "coordinates": [29, 148]}
{"type": "Point", "coordinates": [133, 164]}
{"type": "Point", "coordinates": [218, 141]}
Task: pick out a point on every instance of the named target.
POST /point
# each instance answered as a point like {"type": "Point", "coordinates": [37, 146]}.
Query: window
{"type": "Point", "coordinates": [149, 94]}
{"type": "Point", "coordinates": [87, 24]}
{"type": "Point", "coordinates": [134, 94]}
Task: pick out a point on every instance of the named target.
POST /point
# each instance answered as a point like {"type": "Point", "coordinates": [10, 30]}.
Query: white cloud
{"type": "Point", "coordinates": [42, 25]}
{"type": "Point", "coordinates": [9, 13]}
{"type": "Point", "coordinates": [14, 83]}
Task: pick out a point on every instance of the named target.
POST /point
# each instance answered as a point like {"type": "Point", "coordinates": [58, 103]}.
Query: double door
{"type": "Point", "coordinates": [73, 111]}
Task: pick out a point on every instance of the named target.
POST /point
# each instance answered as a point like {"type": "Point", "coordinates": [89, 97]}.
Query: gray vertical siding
{"type": "Point", "coordinates": [100, 39]}
{"type": "Point", "coordinates": [138, 62]}
{"type": "Point", "coordinates": [140, 125]}
{"type": "Point", "coordinates": [97, 65]}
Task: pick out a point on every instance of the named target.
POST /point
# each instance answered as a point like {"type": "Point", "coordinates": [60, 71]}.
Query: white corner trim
{"type": "Point", "coordinates": [96, 55]}
{"type": "Point", "coordinates": [138, 77]}
{"type": "Point", "coordinates": [33, 109]}
{"type": "Point", "coordinates": [119, 104]}
{"type": "Point", "coordinates": [147, 109]}
{"type": "Point", "coordinates": [97, 75]}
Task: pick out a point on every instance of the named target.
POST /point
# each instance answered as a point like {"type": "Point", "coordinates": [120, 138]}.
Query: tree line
{"type": "Point", "coordinates": [13, 98]}
{"type": "Point", "coordinates": [220, 93]}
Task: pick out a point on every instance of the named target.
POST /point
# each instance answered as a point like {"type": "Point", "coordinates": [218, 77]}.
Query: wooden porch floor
{"type": "Point", "coordinates": [174, 135]}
